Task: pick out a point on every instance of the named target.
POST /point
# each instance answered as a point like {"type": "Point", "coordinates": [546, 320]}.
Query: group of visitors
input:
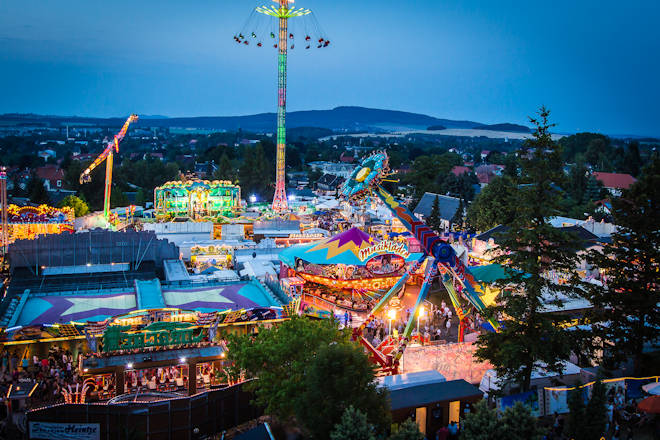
{"type": "Point", "coordinates": [53, 374]}
{"type": "Point", "coordinates": [449, 432]}
{"type": "Point", "coordinates": [624, 420]}
{"type": "Point", "coordinates": [438, 325]}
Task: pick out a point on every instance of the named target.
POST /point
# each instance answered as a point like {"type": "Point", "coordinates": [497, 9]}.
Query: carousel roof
{"type": "Point", "coordinates": [342, 248]}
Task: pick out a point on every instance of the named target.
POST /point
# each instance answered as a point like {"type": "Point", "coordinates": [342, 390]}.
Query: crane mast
{"type": "Point", "coordinates": [107, 156]}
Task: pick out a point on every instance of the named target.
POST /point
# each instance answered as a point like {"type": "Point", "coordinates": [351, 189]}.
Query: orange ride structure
{"type": "Point", "coordinates": [257, 33]}
{"type": "Point", "coordinates": [439, 259]}
{"type": "Point", "coordinates": [107, 155]}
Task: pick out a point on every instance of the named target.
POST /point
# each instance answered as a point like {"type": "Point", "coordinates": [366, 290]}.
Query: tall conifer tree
{"type": "Point", "coordinates": [534, 253]}
{"type": "Point", "coordinates": [626, 305]}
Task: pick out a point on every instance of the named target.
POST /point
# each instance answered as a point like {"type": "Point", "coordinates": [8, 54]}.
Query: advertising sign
{"type": "Point", "coordinates": [65, 431]}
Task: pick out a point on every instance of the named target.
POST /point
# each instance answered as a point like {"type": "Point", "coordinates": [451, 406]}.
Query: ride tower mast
{"type": "Point", "coordinates": [283, 12]}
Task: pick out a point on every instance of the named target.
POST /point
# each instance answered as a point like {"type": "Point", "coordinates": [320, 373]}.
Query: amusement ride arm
{"type": "Point", "coordinates": [86, 175]}
{"type": "Point", "coordinates": [450, 267]}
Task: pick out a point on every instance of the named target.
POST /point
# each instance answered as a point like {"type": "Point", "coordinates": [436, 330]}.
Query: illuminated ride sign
{"type": "Point", "coordinates": [384, 247]}
{"type": "Point", "coordinates": [158, 334]}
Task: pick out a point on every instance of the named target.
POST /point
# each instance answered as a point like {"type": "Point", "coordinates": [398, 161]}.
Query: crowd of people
{"type": "Point", "coordinates": [53, 374]}
{"type": "Point", "coordinates": [437, 325]}
{"type": "Point", "coordinates": [624, 420]}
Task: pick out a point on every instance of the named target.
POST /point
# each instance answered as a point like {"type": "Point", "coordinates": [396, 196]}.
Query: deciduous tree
{"type": "Point", "coordinates": [494, 205]}
{"type": "Point", "coordinates": [339, 376]}
{"type": "Point", "coordinates": [79, 206]}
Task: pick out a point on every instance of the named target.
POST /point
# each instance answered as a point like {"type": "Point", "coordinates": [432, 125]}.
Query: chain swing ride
{"type": "Point", "coordinates": [107, 155]}
{"type": "Point", "coordinates": [439, 257]}
{"type": "Point", "coordinates": [261, 30]}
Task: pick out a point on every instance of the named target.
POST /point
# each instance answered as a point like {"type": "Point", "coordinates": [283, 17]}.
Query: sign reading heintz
{"type": "Point", "coordinates": [65, 431]}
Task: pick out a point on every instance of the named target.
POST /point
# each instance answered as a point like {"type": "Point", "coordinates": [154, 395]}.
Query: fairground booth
{"type": "Point", "coordinates": [345, 270]}
{"type": "Point", "coordinates": [197, 199]}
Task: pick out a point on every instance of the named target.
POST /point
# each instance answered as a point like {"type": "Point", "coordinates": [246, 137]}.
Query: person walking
{"type": "Point", "coordinates": [453, 431]}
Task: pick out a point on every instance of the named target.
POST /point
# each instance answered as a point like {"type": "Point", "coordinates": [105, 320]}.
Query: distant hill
{"type": "Point", "coordinates": [512, 128]}
{"type": "Point", "coordinates": [436, 128]}
{"type": "Point", "coordinates": [347, 119]}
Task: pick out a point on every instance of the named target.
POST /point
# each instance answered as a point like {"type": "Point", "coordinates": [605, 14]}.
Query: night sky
{"type": "Point", "coordinates": [595, 64]}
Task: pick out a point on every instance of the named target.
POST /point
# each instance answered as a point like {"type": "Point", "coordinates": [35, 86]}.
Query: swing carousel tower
{"type": "Point", "coordinates": [285, 40]}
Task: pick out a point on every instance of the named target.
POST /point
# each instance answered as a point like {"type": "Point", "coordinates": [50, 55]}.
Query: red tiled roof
{"type": "Point", "coordinates": [485, 177]}
{"type": "Point", "coordinates": [615, 180]}
{"type": "Point", "coordinates": [459, 169]}
{"type": "Point", "coordinates": [346, 159]}
{"type": "Point", "coordinates": [50, 172]}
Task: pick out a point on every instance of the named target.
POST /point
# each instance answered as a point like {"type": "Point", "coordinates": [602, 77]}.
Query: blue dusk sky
{"type": "Point", "coordinates": [595, 64]}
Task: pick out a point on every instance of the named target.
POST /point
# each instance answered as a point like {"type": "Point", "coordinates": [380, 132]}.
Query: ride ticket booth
{"type": "Point", "coordinates": [429, 399]}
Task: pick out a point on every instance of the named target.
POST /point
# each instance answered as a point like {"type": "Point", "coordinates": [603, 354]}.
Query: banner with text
{"type": "Point", "coordinates": [65, 431]}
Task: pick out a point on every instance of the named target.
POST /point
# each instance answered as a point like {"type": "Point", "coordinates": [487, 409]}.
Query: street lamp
{"type": "Point", "coordinates": [392, 315]}
{"type": "Point", "coordinates": [420, 312]}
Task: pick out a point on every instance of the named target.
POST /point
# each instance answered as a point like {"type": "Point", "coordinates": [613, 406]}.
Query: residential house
{"type": "Point", "coordinates": [448, 206]}
{"type": "Point", "coordinates": [298, 179]}
{"type": "Point", "coordinates": [615, 183]}
{"type": "Point", "coordinates": [84, 157]}
{"type": "Point", "coordinates": [459, 170]}
{"type": "Point", "coordinates": [329, 182]}
{"type": "Point", "coordinates": [336, 169]}
{"type": "Point", "coordinates": [47, 154]}
{"type": "Point", "coordinates": [204, 170]}
{"type": "Point", "coordinates": [486, 173]}
{"type": "Point", "coordinates": [345, 158]}
{"type": "Point", "coordinates": [52, 175]}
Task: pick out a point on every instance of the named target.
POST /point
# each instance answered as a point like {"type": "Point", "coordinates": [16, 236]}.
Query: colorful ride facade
{"type": "Point", "coordinates": [28, 222]}
{"type": "Point", "coordinates": [197, 199]}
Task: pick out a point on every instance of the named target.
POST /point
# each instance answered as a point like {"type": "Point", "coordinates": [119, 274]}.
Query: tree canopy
{"type": "Point", "coordinates": [626, 307]}
{"type": "Point", "coordinates": [494, 205]}
{"type": "Point", "coordinates": [337, 377]}
{"type": "Point", "coordinates": [514, 423]}
{"type": "Point", "coordinates": [353, 426]}
{"type": "Point", "coordinates": [308, 369]}
{"type": "Point", "coordinates": [78, 205]}
{"type": "Point", "coordinates": [36, 190]}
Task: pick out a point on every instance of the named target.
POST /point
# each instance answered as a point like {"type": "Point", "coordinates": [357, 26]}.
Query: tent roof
{"type": "Point", "coordinates": [488, 273]}
{"type": "Point", "coordinates": [422, 395]}
{"type": "Point", "coordinates": [342, 248]}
